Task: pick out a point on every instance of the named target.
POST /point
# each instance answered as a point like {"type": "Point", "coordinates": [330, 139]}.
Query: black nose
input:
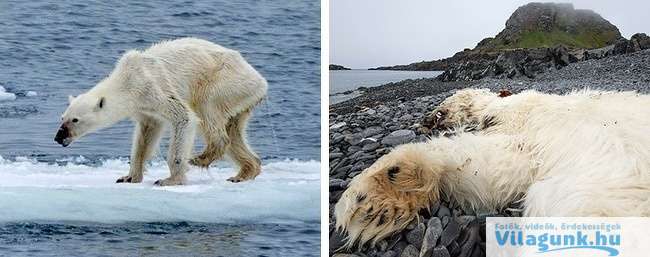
{"type": "Point", "coordinates": [430, 121]}
{"type": "Point", "coordinates": [62, 134]}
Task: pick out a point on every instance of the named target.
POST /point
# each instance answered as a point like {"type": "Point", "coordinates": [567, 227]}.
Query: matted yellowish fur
{"type": "Point", "coordinates": [581, 154]}
{"type": "Point", "coordinates": [181, 84]}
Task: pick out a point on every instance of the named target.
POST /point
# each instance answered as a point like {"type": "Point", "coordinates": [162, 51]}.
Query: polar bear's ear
{"type": "Point", "coordinates": [100, 103]}
{"type": "Point", "coordinates": [70, 98]}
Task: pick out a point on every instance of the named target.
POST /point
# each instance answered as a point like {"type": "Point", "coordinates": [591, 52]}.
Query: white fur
{"type": "Point", "coordinates": [180, 83]}
{"type": "Point", "coordinates": [582, 139]}
{"type": "Point", "coordinates": [582, 154]}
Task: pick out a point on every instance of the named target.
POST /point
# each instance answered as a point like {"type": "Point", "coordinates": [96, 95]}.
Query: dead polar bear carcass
{"type": "Point", "coordinates": [179, 83]}
{"type": "Point", "coordinates": [581, 154]}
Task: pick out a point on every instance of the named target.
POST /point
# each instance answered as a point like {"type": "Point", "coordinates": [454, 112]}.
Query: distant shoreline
{"type": "Point", "coordinates": [346, 84]}
{"type": "Point", "coordinates": [579, 74]}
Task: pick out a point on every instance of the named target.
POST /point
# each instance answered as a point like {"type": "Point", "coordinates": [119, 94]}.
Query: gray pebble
{"type": "Point", "coordinates": [412, 224]}
{"type": "Point", "coordinates": [353, 149]}
{"type": "Point", "coordinates": [370, 147]}
{"type": "Point", "coordinates": [469, 238]}
{"type": "Point", "coordinates": [450, 233]}
{"type": "Point", "coordinates": [336, 183]}
{"type": "Point", "coordinates": [382, 245]}
{"type": "Point", "coordinates": [371, 131]}
{"type": "Point", "coordinates": [398, 137]}
{"type": "Point", "coordinates": [434, 230]}
{"type": "Point", "coordinates": [406, 117]}
{"type": "Point", "coordinates": [389, 253]}
{"type": "Point", "coordinates": [440, 251]}
{"type": "Point", "coordinates": [443, 211]}
{"type": "Point", "coordinates": [353, 139]}
{"type": "Point", "coordinates": [345, 255]}
{"type": "Point", "coordinates": [337, 126]}
{"type": "Point", "coordinates": [335, 155]}
{"type": "Point", "coordinates": [400, 246]}
{"type": "Point", "coordinates": [336, 241]}
{"type": "Point", "coordinates": [410, 251]}
{"type": "Point", "coordinates": [416, 235]}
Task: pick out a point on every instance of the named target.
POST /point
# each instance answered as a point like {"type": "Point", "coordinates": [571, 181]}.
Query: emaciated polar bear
{"type": "Point", "coordinates": [178, 83]}
{"type": "Point", "coordinates": [581, 154]}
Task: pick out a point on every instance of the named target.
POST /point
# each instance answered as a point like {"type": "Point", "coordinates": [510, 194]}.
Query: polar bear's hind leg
{"type": "Point", "coordinates": [216, 139]}
{"type": "Point", "coordinates": [249, 163]}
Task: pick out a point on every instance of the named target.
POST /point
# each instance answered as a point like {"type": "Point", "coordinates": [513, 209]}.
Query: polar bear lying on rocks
{"type": "Point", "coordinates": [582, 154]}
{"type": "Point", "coordinates": [177, 83]}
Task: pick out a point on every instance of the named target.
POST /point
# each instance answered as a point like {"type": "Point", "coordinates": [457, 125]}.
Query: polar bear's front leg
{"type": "Point", "coordinates": [145, 141]}
{"type": "Point", "coordinates": [182, 139]}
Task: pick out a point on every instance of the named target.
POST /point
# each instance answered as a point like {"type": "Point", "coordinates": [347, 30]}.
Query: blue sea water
{"type": "Point", "coordinates": [58, 201]}
{"type": "Point", "coordinates": [343, 83]}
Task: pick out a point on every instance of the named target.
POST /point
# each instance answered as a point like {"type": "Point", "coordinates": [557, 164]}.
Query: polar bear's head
{"type": "Point", "coordinates": [86, 113]}
{"type": "Point", "coordinates": [463, 109]}
{"type": "Point", "coordinates": [388, 195]}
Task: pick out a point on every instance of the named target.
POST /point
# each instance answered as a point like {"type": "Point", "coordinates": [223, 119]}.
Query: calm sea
{"type": "Point", "coordinates": [57, 201]}
{"type": "Point", "coordinates": [349, 80]}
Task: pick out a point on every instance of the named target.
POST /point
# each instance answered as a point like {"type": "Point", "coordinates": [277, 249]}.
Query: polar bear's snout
{"type": "Point", "coordinates": [63, 135]}
{"type": "Point", "coordinates": [436, 120]}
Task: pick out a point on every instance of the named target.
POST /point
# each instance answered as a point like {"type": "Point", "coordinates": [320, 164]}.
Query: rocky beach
{"type": "Point", "coordinates": [365, 128]}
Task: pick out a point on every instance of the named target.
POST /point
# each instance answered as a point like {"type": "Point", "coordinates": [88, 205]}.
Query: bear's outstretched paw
{"type": "Point", "coordinates": [235, 179]}
{"type": "Point", "coordinates": [239, 178]}
{"type": "Point", "coordinates": [128, 179]}
{"type": "Point", "coordinates": [245, 174]}
{"type": "Point", "coordinates": [200, 161]}
{"type": "Point", "coordinates": [168, 182]}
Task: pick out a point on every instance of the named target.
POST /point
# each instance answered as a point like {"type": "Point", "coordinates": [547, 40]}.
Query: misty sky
{"type": "Point", "coordinates": [371, 33]}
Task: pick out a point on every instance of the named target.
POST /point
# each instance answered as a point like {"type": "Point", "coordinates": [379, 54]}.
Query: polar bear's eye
{"type": "Point", "coordinates": [392, 173]}
{"type": "Point", "coordinates": [75, 120]}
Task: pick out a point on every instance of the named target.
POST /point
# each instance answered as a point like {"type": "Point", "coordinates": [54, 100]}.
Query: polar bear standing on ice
{"type": "Point", "coordinates": [179, 83]}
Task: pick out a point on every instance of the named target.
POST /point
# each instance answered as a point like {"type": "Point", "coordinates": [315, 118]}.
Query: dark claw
{"type": "Point", "coordinates": [123, 180]}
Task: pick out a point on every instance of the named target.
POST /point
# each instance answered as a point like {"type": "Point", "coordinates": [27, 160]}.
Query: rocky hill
{"type": "Point", "coordinates": [537, 37]}
{"type": "Point", "coordinates": [338, 67]}
{"type": "Point", "coordinates": [537, 25]}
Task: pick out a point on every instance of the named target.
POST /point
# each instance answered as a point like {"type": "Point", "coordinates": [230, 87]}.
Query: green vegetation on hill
{"type": "Point", "coordinates": [535, 39]}
{"type": "Point", "coordinates": [537, 25]}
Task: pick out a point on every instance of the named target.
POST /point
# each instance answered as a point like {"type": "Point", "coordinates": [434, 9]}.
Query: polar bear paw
{"type": "Point", "coordinates": [236, 179]}
{"type": "Point", "coordinates": [243, 177]}
{"type": "Point", "coordinates": [129, 179]}
{"type": "Point", "coordinates": [168, 182]}
{"type": "Point", "coordinates": [200, 161]}
{"type": "Point", "coordinates": [247, 172]}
